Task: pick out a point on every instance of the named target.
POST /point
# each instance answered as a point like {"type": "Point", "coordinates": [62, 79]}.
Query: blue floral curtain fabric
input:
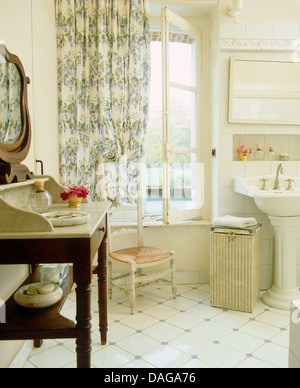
{"type": "Point", "coordinates": [10, 112]}
{"type": "Point", "coordinates": [103, 82]}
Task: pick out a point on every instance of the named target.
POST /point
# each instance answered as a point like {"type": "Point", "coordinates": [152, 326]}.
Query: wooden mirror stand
{"type": "Point", "coordinates": [11, 155]}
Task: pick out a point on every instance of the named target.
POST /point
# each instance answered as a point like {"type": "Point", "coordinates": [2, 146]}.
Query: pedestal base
{"type": "Point", "coordinates": [285, 289]}
{"type": "Point", "coordinates": [280, 299]}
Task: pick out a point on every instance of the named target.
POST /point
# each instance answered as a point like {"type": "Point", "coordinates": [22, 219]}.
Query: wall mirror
{"type": "Point", "coordinates": [15, 129]}
{"type": "Point", "coordinates": [264, 91]}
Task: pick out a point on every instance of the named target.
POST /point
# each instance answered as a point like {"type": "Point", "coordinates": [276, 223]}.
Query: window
{"type": "Point", "coordinates": [175, 171]}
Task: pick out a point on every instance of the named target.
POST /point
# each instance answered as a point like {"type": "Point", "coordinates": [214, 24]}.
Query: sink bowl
{"type": "Point", "coordinates": [277, 203]}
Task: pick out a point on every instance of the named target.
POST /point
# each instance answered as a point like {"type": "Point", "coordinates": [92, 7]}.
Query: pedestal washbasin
{"type": "Point", "coordinates": [283, 209]}
{"type": "Point", "coordinates": [277, 203]}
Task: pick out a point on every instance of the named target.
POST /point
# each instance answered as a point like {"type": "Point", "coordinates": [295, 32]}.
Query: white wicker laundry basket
{"type": "Point", "coordinates": [235, 268]}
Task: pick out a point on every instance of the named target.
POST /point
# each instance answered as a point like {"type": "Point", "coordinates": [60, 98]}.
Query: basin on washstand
{"type": "Point", "coordinates": [282, 206]}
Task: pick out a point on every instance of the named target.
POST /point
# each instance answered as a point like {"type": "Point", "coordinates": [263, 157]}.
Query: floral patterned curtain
{"type": "Point", "coordinates": [103, 81]}
{"type": "Point", "coordinates": [10, 112]}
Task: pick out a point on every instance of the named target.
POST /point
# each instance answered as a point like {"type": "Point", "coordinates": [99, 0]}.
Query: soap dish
{"type": "Point", "coordinates": [67, 218]}
{"type": "Point", "coordinates": [37, 301]}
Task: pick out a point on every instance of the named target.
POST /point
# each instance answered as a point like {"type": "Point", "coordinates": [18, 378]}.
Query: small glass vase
{"type": "Point", "coordinates": [271, 154]}
{"type": "Point", "coordinates": [74, 202]}
{"type": "Point", "coordinates": [259, 153]}
{"type": "Point", "coordinates": [39, 200]}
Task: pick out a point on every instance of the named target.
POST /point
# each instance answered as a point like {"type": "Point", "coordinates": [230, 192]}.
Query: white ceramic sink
{"type": "Point", "coordinates": [278, 203]}
{"type": "Point", "coordinates": [283, 210]}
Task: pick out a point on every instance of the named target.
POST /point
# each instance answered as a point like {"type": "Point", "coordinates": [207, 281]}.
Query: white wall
{"type": "Point", "coordinates": [28, 29]}
{"type": "Point", "coordinates": [263, 11]}
{"type": "Point", "coordinates": [45, 85]}
{"type": "Point", "coordinates": [15, 30]}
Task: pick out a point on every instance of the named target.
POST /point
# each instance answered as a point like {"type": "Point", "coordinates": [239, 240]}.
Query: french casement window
{"type": "Point", "coordinates": [175, 186]}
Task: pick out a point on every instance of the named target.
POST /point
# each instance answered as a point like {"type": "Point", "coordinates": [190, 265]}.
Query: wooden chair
{"type": "Point", "coordinates": [138, 258]}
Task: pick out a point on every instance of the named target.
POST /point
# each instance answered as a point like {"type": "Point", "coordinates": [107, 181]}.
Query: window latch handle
{"type": "Point", "coordinates": [169, 150]}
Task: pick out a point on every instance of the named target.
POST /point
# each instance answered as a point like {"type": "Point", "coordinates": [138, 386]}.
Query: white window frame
{"type": "Point", "coordinates": [169, 216]}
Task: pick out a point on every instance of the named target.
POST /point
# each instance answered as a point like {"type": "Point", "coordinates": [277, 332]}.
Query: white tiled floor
{"type": "Point", "coordinates": [182, 333]}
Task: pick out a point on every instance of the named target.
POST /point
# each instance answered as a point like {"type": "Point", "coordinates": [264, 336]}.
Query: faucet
{"type": "Point", "coordinates": [279, 170]}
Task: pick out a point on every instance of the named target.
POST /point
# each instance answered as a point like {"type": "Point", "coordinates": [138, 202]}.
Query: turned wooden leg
{"type": "Point", "coordinates": [132, 287]}
{"type": "Point", "coordinates": [109, 278]}
{"type": "Point", "coordinates": [83, 341]}
{"type": "Point", "coordinates": [37, 343]}
{"type": "Point", "coordinates": [173, 277]}
{"type": "Point", "coordinates": [102, 292]}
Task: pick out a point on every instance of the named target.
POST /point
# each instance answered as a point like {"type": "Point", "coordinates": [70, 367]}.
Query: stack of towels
{"type": "Point", "coordinates": [234, 222]}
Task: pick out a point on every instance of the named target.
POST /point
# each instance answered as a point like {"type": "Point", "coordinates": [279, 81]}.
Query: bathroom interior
{"type": "Point", "coordinates": [166, 332]}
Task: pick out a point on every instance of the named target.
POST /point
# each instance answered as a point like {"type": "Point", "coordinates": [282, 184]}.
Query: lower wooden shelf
{"type": "Point", "coordinates": [46, 323]}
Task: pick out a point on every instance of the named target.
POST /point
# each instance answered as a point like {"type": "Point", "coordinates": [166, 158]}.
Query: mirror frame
{"type": "Point", "coordinates": [277, 92]}
{"type": "Point", "coordinates": [11, 155]}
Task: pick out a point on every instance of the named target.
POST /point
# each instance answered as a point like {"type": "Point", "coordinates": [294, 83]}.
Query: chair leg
{"type": "Point", "coordinates": [132, 289]}
{"type": "Point", "coordinates": [109, 278]}
{"type": "Point", "coordinates": [173, 278]}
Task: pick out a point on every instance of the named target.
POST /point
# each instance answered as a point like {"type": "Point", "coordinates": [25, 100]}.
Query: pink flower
{"type": "Point", "coordinates": [74, 192]}
{"type": "Point", "coordinates": [244, 150]}
{"type": "Point", "coordinates": [82, 192]}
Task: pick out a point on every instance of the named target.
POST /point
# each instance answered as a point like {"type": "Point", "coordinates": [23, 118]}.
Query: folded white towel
{"type": "Point", "coordinates": [234, 222]}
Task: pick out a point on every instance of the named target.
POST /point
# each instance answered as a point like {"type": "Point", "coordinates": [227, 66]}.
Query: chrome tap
{"type": "Point", "coordinates": [279, 170]}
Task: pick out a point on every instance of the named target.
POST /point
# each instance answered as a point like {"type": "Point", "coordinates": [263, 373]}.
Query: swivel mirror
{"type": "Point", "coordinates": [15, 129]}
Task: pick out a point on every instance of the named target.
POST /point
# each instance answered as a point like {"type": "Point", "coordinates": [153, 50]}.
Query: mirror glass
{"type": "Point", "coordinates": [10, 112]}
{"type": "Point", "coordinates": [264, 91]}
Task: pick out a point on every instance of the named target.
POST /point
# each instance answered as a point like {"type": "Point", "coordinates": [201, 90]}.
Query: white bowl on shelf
{"type": "Point", "coordinates": [40, 300]}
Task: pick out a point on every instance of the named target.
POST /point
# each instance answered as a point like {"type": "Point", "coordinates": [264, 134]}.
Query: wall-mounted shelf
{"type": "Point", "coordinates": [289, 144]}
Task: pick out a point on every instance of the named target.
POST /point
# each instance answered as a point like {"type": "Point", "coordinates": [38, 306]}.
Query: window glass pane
{"type": "Point", "coordinates": [183, 176]}
{"type": "Point", "coordinates": [154, 130]}
{"type": "Point", "coordinates": [182, 124]}
{"type": "Point", "coordinates": [181, 57]}
{"type": "Point", "coordinates": [156, 78]}
{"type": "Point", "coordinates": [154, 204]}
{"type": "Point", "coordinates": [182, 118]}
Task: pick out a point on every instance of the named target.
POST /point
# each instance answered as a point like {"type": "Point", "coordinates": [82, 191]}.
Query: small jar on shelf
{"type": "Point", "coordinates": [40, 200]}
{"type": "Point", "coordinates": [271, 154]}
{"type": "Point", "coordinates": [284, 156]}
{"type": "Point", "coordinates": [259, 153]}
